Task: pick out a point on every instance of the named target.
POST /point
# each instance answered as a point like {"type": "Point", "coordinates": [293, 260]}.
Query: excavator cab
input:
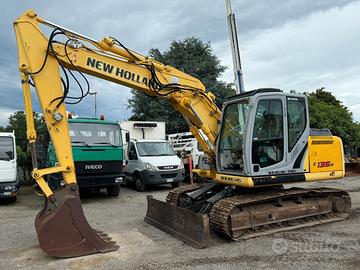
{"type": "Point", "coordinates": [263, 132]}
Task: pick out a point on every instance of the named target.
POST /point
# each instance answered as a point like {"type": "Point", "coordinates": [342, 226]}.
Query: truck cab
{"type": "Point", "coordinates": [97, 152]}
{"type": "Point", "coordinates": [152, 162]}
{"type": "Point", "coordinates": [9, 183]}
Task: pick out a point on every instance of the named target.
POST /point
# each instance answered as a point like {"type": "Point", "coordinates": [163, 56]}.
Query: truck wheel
{"type": "Point", "coordinates": [11, 200]}
{"type": "Point", "coordinates": [113, 191]}
{"type": "Point", "coordinates": [139, 184]}
{"type": "Point", "coordinates": [175, 185]}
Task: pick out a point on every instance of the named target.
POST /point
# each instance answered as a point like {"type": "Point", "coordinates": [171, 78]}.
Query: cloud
{"type": "Point", "coordinates": [298, 44]}
{"type": "Point", "coordinates": [320, 50]}
{"type": "Point", "coordinates": [4, 116]}
{"type": "Point", "coordinates": [111, 99]}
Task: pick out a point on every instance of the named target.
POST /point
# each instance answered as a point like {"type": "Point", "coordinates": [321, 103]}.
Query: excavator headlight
{"type": "Point", "coordinates": [75, 44]}
{"type": "Point", "coordinates": [58, 116]}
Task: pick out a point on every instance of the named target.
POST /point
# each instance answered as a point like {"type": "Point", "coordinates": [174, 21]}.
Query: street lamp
{"type": "Point", "coordinates": [239, 82]}
{"type": "Point", "coordinates": [94, 93]}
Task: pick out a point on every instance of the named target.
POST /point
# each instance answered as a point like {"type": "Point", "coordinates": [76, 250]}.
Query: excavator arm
{"type": "Point", "coordinates": [42, 59]}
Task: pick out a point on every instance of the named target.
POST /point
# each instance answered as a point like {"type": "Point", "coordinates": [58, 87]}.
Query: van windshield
{"type": "Point", "coordinates": [155, 149]}
{"type": "Point", "coordinates": [6, 148]}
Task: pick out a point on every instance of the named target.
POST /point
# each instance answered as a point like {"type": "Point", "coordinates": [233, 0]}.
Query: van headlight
{"type": "Point", "coordinates": [9, 188]}
{"type": "Point", "coordinates": [181, 165]}
{"type": "Point", "coordinates": [150, 167]}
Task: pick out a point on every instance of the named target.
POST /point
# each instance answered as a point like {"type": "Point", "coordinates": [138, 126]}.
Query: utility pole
{"type": "Point", "coordinates": [239, 82]}
{"type": "Point", "coordinates": [94, 93]}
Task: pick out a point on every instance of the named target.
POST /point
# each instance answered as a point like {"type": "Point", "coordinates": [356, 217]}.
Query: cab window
{"type": "Point", "coordinates": [268, 135]}
{"type": "Point", "coordinates": [296, 110]}
{"type": "Point", "coordinates": [232, 136]}
{"type": "Point", "coordinates": [6, 148]}
{"type": "Point", "coordinates": [132, 152]}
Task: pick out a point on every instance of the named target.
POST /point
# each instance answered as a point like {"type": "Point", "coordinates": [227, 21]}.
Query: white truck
{"type": "Point", "coordinates": [185, 144]}
{"type": "Point", "coordinates": [144, 129]}
{"type": "Point", "coordinates": [9, 183]}
{"type": "Point", "coordinates": [150, 160]}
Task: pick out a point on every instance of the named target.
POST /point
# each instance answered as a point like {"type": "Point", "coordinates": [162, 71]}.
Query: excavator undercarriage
{"type": "Point", "coordinates": [192, 212]}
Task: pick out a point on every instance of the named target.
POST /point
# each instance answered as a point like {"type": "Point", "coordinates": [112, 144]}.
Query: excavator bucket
{"type": "Point", "coordinates": [187, 226]}
{"type": "Point", "coordinates": [63, 230]}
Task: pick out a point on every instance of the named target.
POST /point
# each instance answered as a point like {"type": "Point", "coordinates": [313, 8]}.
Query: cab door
{"type": "Point", "coordinates": [132, 161]}
{"type": "Point", "coordinates": [298, 129]}
{"type": "Point", "coordinates": [268, 138]}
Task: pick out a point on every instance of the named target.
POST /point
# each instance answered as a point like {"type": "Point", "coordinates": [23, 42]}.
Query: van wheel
{"type": "Point", "coordinates": [139, 183]}
{"type": "Point", "coordinates": [113, 191]}
{"type": "Point", "coordinates": [11, 200]}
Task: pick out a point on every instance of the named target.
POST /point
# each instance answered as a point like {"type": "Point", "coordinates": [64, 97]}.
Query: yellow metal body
{"type": "Point", "coordinates": [324, 155]}
{"type": "Point", "coordinates": [104, 59]}
{"type": "Point", "coordinates": [324, 160]}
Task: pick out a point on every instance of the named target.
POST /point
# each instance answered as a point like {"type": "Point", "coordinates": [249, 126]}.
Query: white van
{"type": "Point", "coordinates": [152, 162]}
{"type": "Point", "coordinates": [9, 183]}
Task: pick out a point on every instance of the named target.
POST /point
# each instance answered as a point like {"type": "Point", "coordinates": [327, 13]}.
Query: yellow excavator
{"type": "Point", "coordinates": [260, 141]}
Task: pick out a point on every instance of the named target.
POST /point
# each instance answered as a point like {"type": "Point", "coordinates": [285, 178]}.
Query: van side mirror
{"type": "Point", "coordinates": [132, 155]}
{"type": "Point", "coordinates": [127, 137]}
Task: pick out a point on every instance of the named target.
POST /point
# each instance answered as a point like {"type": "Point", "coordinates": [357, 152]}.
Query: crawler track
{"type": "Point", "coordinates": [252, 215]}
{"type": "Point", "coordinates": [175, 194]}
{"type": "Point", "coordinates": [243, 216]}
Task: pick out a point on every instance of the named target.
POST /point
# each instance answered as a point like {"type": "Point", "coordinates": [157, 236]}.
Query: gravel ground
{"type": "Point", "coordinates": [329, 246]}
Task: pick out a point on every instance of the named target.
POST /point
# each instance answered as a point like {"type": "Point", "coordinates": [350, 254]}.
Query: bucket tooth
{"type": "Point", "coordinates": [63, 230]}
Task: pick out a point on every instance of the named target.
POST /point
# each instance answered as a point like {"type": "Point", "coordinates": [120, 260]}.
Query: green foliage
{"type": "Point", "coordinates": [24, 166]}
{"type": "Point", "coordinates": [193, 57]}
{"type": "Point", "coordinates": [3, 129]}
{"type": "Point", "coordinates": [22, 157]}
{"type": "Point", "coordinates": [17, 122]}
{"type": "Point", "coordinates": [326, 111]}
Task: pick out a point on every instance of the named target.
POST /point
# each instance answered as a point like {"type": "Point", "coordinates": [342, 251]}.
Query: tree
{"type": "Point", "coordinates": [193, 57]}
{"type": "Point", "coordinates": [326, 111]}
{"type": "Point", "coordinates": [17, 122]}
{"type": "Point", "coordinates": [3, 129]}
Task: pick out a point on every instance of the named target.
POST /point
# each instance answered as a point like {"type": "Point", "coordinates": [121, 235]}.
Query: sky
{"type": "Point", "coordinates": [297, 45]}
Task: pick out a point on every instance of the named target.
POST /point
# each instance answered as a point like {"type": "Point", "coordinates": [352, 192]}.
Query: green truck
{"type": "Point", "coordinates": [98, 155]}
